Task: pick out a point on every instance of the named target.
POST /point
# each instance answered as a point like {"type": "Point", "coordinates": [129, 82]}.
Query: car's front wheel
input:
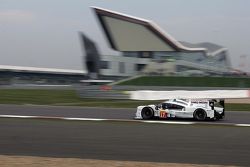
{"type": "Point", "coordinates": [200, 115]}
{"type": "Point", "coordinates": [147, 113]}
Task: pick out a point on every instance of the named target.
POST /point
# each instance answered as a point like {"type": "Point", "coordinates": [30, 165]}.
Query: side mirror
{"type": "Point", "coordinates": [211, 104]}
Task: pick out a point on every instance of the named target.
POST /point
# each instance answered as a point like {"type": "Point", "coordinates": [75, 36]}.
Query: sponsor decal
{"type": "Point", "coordinates": [163, 114]}
{"type": "Point", "coordinates": [199, 101]}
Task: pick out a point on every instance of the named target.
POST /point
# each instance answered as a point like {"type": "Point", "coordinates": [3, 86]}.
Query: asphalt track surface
{"type": "Point", "coordinates": [196, 144]}
{"type": "Point", "coordinates": [234, 117]}
{"type": "Point", "coordinates": [200, 144]}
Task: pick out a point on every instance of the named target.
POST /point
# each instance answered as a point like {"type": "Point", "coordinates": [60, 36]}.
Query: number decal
{"type": "Point", "coordinates": [163, 114]}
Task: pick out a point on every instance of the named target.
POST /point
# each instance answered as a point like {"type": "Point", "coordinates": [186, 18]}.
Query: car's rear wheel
{"type": "Point", "coordinates": [147, 113]}
{"type": "Point", "coordinates": [216, 116]}
{"type": "Point", "coordinates": [200, 115]}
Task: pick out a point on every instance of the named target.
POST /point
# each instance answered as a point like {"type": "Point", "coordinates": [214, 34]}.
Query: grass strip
{"type": "Point", "coordinates": [70, 98]}
{"type": "Point", "coordinates": [189, 81]}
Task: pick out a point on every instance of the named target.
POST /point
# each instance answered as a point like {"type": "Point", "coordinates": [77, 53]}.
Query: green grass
{"type": "Point", "coordinates": [237, 107]}
{"type": "Point", "coordinates": [189, 81]}
{"type": "Point", "coordinates": [60, 97]}
{"type": "Point", "coordinates": [31, 96]}
{"type": "Point", "coordinates": [70, 98]}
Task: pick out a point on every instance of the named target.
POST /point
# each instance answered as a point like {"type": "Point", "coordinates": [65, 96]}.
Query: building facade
{"type": "Point", "coordinates": [146, 49]}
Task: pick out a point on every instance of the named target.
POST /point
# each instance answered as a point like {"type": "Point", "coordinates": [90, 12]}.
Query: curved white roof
{"type": "Point", "coordinates": [129, 33]}
{"type": "Point", "coordinates": [211, 48]}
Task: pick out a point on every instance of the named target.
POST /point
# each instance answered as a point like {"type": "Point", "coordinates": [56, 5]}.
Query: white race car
{"type": "Point", "coordinates": [182, 108]}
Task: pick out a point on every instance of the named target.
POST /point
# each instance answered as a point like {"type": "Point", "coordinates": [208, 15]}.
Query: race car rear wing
{"type": "Point", "coordinates": [184, 94]}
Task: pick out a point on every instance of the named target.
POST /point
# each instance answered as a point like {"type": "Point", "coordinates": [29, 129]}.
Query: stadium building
{"type": "Point", "coordinates": [146, 49]}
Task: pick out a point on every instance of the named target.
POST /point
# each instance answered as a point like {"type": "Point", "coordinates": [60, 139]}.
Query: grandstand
{"type": "Point", "coordinates": [33, 75]}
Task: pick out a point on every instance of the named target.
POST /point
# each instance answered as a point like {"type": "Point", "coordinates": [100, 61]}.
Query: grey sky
{"type": "Point", "coordinates": [44, 33]}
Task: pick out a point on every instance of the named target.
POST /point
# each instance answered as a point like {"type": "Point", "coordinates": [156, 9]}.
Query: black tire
{"type": "Point", "coordinates": [217, 116]}
{"type": "Point", "coordinates": [200, 115]}
{"type": "Point", "coordinates": [147, 113]}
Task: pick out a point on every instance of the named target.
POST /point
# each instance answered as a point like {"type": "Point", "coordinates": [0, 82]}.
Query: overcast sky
{"type": "Point", "coordinates": [44, 33]}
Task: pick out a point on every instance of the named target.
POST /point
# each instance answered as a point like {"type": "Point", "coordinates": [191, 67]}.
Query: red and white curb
{"type": "Point", "coordinates": [124, 120]}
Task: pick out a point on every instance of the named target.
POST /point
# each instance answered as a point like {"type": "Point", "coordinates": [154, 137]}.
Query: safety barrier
{"type": "Point", "coordinates": [202, 94]}
{"type": "Point", "coordinates": [138, 92]}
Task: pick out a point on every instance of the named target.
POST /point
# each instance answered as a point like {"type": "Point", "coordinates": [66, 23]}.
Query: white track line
{"type": "Point", "coordinates": [85, 119]}
{"type": "Point", "coordinates": [243, 125]}
{"type": "Point", "coordinates": [168, 122]}
{"type": "Point", "coordinates": [16, 116]}
{"type": "Point", "coordinates": [122, 120]}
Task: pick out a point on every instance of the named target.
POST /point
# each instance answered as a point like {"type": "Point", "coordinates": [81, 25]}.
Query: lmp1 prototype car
{"type": "Point", "coordinates": [182, 108]}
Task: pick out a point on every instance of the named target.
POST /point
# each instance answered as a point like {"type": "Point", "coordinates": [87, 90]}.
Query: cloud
{"type": "Point", "coordinates": [16, 16]}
